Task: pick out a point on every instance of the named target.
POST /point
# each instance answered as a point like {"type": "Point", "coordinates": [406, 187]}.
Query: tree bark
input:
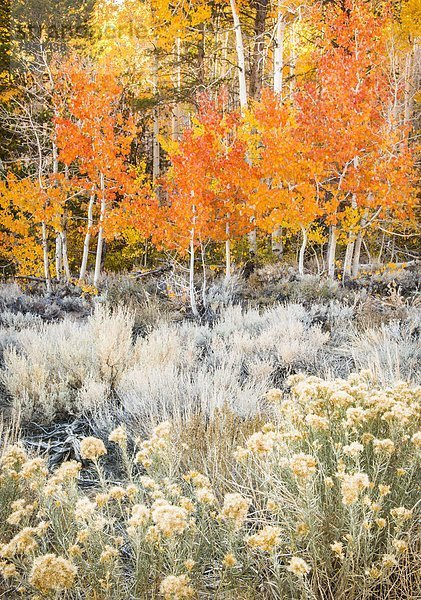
{"type": "Point", "coordinates": [357, 254]}
{"type": "Point", "coordinates": [63, 235]}
{"type": "Point", "coordinates": [256, 71]}
{"type": "Point", "coordinates": [278, 65]}
{"type": "Point", "coordinates": [204, 284]}
{"type": "Point", "coordinates": [228, 256]}
{"type": "Point", "coordinates": [252, 239]}
{"type": "Point", "coordinates": [348, 259]}
{"type": "Point", "coordinates": [331, 252]}
{"type": "Point", "coordinates": [201, 57]}
{"type": "Point", "coordinates": [100, 242]}
{"type": "Point", "coordinates": [155, 142]}
{"type": "Point", "coordinates": [59, 255]}
{"type": "Point", "coordinates": [65, 257]}
{"type": "Point", "coordinates": [409, 87]}
{"type": "Point", "coordinates": [58, 251]}
{"type": "Point", "coordinates": [45, 257]}
{"type": "Point", "coordinates": [86, 243]}
{"type": "Point", "coordinates": [278, 53]}
{"type": "Point", "coordinates": [239, 47]}
{"type": "Point", "coordinates": [302, 251]}
{"type": "Point", "coordinates": [277, 244]}
{"type": "Point", "coordinates": [351, 237]}
{"type": "Point", "coordinates": [192, 290]}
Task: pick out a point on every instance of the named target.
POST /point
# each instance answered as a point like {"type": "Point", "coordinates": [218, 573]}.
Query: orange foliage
{"type": "Point", "coordinates": [209, 182]}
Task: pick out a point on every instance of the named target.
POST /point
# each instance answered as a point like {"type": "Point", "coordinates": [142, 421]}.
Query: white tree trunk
{"type": "Point", "coordinates": [156, 167]}
{"type": "Point", "coordinates": [192, 290]}
{"type": "Point", "coordinates": [331, 252]}
{"type": "Point", "coordinates": [45, 258]}
{"type": "Point", "coordinates": [278, 54]}
{"type": "Point", "coordinates": [358, 245]}
{"type": "Point", "coordinates": [228, 259]}
{"type": "Point", "coordinates": [100, 242]}
{"type": "Point", "coordinates": [204, 284]}
{"type": "Point", "coordinates": [66, 267]}
{"type": "Point", "coordinates": [59, 255]}
{"type": "Point", "coordinates": [409, 87]}
{"type": "Point", "coordinates": [277, 245]}
{"type": "Point", "coordinates": [239, 47]}
{"type": "Point", "coordinates": [348, 259]}
{"type": "Point", "coordinates": [351, 237]}
{"type": "Point", "coordinates": [252, 239]}
{"type": "Point", "coordinates": [155, 158]}
{"type": "Point", "coordinates": [55, 159]}
{"type": "Point", "coordinates": [278, 65]}
{"type": "Point", "coordinates": [302, 251]}
{"type": "Point", "coordinates": [357, 254]}
{"type": "Point", "coordinates": [85, 254]}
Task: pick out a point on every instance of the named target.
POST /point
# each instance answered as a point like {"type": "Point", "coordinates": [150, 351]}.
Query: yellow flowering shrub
{"type": "Point", "coordinates": [322, 496]}
{"type": "Point", "coordinates": [52, 573]}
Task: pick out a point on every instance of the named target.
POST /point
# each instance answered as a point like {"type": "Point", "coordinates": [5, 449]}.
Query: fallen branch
{"type": "Point", "coordinates": [30, 278]}
{"type": "Point", "coordinates": [159, 271]}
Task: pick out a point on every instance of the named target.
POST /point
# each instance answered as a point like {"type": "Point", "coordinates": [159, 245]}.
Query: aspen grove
{"type": "Point", "coordinates": [206, 127]}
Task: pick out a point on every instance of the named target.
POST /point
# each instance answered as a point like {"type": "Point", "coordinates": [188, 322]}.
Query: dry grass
{"type": "Point", "coordinates": [55, 370]}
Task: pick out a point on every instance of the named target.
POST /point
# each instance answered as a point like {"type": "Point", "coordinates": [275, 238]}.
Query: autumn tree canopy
{"type": "Point", "coordinates": [203, 127]}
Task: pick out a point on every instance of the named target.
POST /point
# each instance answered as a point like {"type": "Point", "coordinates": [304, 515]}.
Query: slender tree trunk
{"type": "Point", "coordinates": [278, 65]}
{"type": "Point", "coordinates": [348, 259]}
{"type": "Point", "coordinates": [331, 252]}
{"type": "Point", "coordinates": [357, 254]}
{"type": "Point", "coordinates": [63, 235]}
{"type": "Point", "coordinates": [379, 256]}
{"type": "Point", "coordinates": [58, 251]}
{"type": "Point", "coordinates": [302, 251]}
{"type": "Point", "coordinates": [204, 284]}
{"type": "Point", "coordinates": [86, 243]}
{"type": "Point", "coordinates": [408, 90]}
{"type": "Point", "coordinates": [252, 239]}
{"type": "Point", "coordinates": [367, 251]}
{"type": "Point", "coordinates": [155, 150]}
{"type": "Point", "coordinates": [156, 168]}
{"type": "Point", "coordinates": [65, 256]}
{"type": "Point", "coordinates": [192, 290]}
{"type": "Point", "coordinates": [351, 238]}
{"type": "Point", "coordinates": [100, 242]}
{"type": "Point", "coordinates": [46, 260]}
{"type": "Point", "coordinates": [201, 75]}
{"type": "Point", "coordinates": [239, 47]}
{"type": "Point", "coordinates": [59, 255]}
{"type": "Point", "coordinates": [277, 244]}
{"type": "Point", "coordinates": [227, 254]}
{"type": "Point", "coordinates": [278, 53]}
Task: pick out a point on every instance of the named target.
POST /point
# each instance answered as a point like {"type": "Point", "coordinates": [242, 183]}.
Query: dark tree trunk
{"type": "Point", "coordinates": [201, 57]}
{"type": "Point", "coordinates": [256, 69]}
